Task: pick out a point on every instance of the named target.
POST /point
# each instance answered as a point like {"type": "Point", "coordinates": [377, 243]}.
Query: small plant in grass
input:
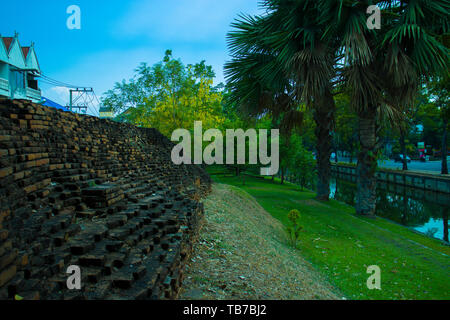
{"type": "Point", "coordinates": [294, 228]}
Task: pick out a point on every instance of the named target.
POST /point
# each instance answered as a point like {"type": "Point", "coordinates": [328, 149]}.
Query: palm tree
{"type": "Point", "coordinates": [281, 54]}
{"type": "Point", "coordinates": [383, 68]}
{"type": "Point", "coordinates": [316, 44]}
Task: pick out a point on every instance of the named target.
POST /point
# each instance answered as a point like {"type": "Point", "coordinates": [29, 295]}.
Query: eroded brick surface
{"type": "Point", "coordinates": [77, 190]}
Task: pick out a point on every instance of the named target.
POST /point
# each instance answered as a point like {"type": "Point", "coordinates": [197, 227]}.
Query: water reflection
{"type": "Point", "coordinates": [426, 212]}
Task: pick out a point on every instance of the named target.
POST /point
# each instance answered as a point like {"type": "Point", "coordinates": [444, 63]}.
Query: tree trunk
{"type": "Point", "coordinates": [366, 181]}
{"type": "Point", "coordinates": [403, 150]}
{"type": "Point", "coordinates": [282, 175]}
{"type": "Point", "coordinates": [324, 119]}
{"type": "Point", "coordinates": [444, 168]}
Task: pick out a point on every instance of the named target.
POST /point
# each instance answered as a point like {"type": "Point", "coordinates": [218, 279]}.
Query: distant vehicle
{"type": "Point", "coordinates": [399, 158]}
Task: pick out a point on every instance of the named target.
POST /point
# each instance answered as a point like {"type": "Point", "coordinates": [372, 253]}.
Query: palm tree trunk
{"type": "Point", "coordinates": [444, 168]}
{"type": "Point", "coordinates": [366, 181]}
{"type": "Point", "coordinates": [324, 119]}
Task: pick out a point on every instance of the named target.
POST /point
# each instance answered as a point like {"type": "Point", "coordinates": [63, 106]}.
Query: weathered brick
{"type": "Point", "coordinates": [5, 247]}
{"type": "Point", "coordinates": [92, 260]}
{"type": "Point", "coordinates": [6, 172]}
{"type": "Point", "coordinates": [7, 259]}
{"type": "Point", "coordinates": [4, 234]}
{"type": "Point", "coordinates": [52, 163]}
{"type": "Point", "coordinates": [19, 175]}
{"type": "Point", "coordinates": [122, 280]}
{"type": "Point", "coordinates": [42, 162]}
{"type": "Point", "coordinates": [7, 274]}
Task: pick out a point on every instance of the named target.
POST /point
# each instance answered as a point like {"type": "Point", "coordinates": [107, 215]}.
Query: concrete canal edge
{"type": "Point", "coordinates": [427, 182]}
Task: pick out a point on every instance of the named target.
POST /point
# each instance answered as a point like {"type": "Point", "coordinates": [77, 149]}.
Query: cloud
{"type": "Point", "coordinates": [57, 94]}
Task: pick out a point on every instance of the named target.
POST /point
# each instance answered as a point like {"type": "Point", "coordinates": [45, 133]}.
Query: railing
{"type": "Point", "coordinates": [34, 94]}
{"type": "Point", "coordinates": [4, 84]}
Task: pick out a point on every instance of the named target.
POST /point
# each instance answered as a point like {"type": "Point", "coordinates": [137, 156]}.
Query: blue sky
{"type": "Point", "coordinates": [116, 36]}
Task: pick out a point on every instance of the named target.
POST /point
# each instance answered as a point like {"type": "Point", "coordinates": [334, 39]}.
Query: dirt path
{"type": "Point", "coordinates": [241, 254]}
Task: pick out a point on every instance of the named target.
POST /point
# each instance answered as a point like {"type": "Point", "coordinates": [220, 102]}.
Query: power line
{"type": "Point", "coordinates": [52, 83]}
{"type": "Point", "coordinates": [85, 96]}
{"type": "Point", "coordinates": [57, 82]}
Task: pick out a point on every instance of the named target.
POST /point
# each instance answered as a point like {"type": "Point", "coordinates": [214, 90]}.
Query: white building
{"type": "Point", "coordinates": [106, 113]}
{"type": "Point", "coordinates": [19, 69]}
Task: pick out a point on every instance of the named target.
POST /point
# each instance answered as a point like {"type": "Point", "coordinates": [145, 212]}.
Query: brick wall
{"type": "Point", "coordinates": [78, 190]}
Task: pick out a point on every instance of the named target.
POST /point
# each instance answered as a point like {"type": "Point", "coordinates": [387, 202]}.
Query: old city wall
{"type": "Point", "coordinates": [105, 196]}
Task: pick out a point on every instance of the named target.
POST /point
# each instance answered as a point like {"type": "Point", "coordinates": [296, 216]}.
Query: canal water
{"type": "Point", "coordinates": [425, 212]}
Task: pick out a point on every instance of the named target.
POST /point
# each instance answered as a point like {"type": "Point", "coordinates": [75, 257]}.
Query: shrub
{"type": "Point", "coordinates": [294, 228]}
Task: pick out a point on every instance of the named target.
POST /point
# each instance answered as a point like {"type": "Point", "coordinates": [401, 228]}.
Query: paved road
{"type": "Point", "coordinates": [434, 166]}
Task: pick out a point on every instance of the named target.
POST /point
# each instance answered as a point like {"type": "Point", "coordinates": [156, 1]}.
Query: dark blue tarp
{"type": "Point", "coordinates": [49, 103]}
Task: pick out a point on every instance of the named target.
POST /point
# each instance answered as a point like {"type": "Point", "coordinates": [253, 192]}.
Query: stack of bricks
{"type": "Point", "coordinates": [78, 190]}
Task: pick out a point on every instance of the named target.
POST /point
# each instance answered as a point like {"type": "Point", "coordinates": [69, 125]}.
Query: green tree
{"type": "Point", "coordinates": [278, 61]}
{"type": "Point", "coordinates": [346, 131]}
{"type": "Point", "coordinates": [439, 89]}
{"type": "Point", "coordinates": [168, 96]}
{"type": "Point", "coordinates": [303, 164]}
{"type": "Point", "coordinates": [428, 115]}
{"type": "Point", "coordinates": [303, 47]}
{"type": "Point", "coordinates": [382, 69]}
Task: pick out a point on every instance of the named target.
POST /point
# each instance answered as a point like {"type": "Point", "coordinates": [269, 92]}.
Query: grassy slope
{"type": "Point", "coordinates": [342, 245]}
{"type": "Point", "coordinates": [242, 254]}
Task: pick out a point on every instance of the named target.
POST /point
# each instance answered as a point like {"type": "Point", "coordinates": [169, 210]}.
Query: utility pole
{"type": "Point", "coordinates": [80, 108]}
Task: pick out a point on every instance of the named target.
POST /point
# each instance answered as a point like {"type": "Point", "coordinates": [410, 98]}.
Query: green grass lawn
{"type": "Point", "coordinates": [342, 245]}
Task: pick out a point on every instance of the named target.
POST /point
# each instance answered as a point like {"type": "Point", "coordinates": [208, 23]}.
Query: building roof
{"type": "Point", "coordinates": [49, 103]}
{"type": "Point", "coordinates": [20, 57]}
{"type": "Point", "coordinates": [7, 41]}
{"type": "Point", "coordinates": [25, 51]}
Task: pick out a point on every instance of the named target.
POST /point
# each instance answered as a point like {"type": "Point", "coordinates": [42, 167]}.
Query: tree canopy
{"type": "Point", "coordinates": [168, 96]}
